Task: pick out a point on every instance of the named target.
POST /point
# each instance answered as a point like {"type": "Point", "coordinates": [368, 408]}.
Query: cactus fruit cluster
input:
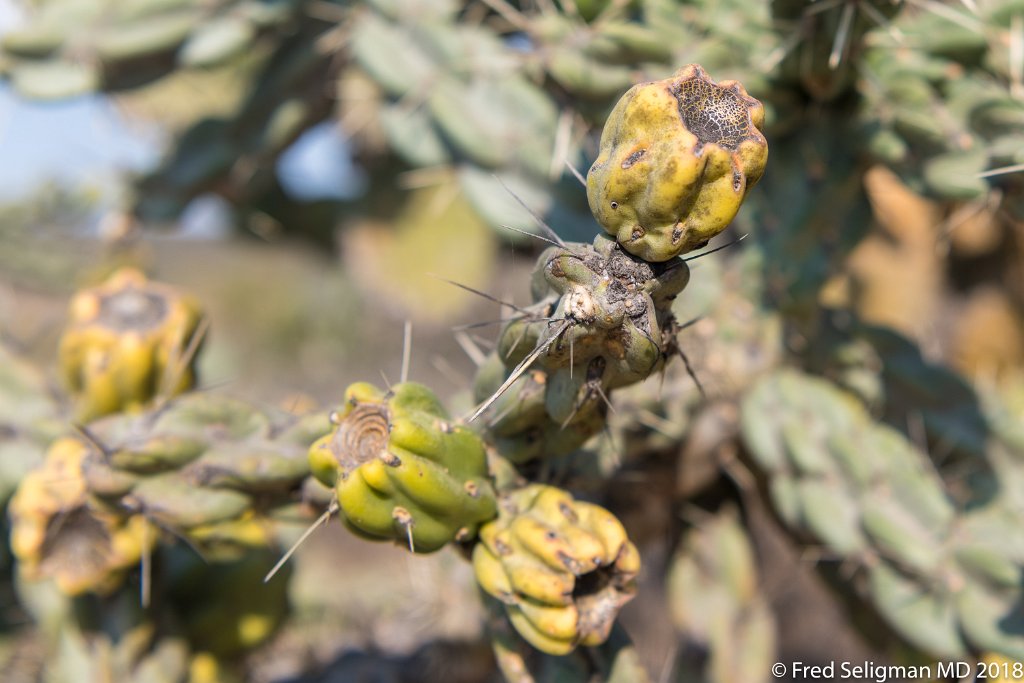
{"type": "Point", "coordinates": [205, 468]}
{"type": "Point", "coordinates": [601, 319]}
{"type": "Point", "coordinates": [185, 502]}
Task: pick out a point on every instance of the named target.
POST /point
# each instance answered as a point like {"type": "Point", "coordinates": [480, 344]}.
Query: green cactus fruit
{"type": "Point", "coordinates": [677, 159]}
{"type": "Point", "coordinates": [562, 568]}
{"type": "Point", "coordinates": [129, 341]}
{"type": "Point", "coordinates": [402, 470]}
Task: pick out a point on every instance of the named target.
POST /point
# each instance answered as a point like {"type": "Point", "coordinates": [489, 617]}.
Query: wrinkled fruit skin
{"type": "Point", "coordinates": [562, 568]}
{"type": "Point", "coordinates": [59, 532]}
{"type": "Point", "coordinates": [677, 158]}
{"type": "Point", "coordinates": [401, 470]}
{"type": "Point", "coordinates": [127, 342]}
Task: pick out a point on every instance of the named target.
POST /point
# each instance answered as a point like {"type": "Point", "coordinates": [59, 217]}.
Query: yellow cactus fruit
{"type": "Point", "coordinates": [676, 161]}
{"type": "Point", "coordinates": [128, 341]}
{"type": "Point", "coordinates": [562, 568]}
{"type": "Point", "coordinates": [58, 532]}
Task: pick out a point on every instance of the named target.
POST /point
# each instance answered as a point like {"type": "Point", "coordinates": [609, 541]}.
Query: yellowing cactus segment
{"type": "Point", "coordinates": [58, 530]}
{"type": "Point", "coordinates": [128, 341]}
{"type": "Point", "coordinates": [677, 158]}
{"type": "Point", "coordinates": [563, 568]}
{"type": "Point", "coordinates": [402, 470]}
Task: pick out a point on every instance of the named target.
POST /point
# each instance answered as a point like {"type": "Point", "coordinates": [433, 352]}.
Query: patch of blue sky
{"type": "Point", "coordinates": [86, 143]}
{"type": "Point", "coordinates": [319, 166]}
{"type": "Point", "coordinates": [79, 142]}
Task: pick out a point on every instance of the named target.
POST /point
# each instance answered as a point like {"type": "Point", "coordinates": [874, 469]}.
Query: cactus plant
{"type": "Point", "coordinates": [895, 471]}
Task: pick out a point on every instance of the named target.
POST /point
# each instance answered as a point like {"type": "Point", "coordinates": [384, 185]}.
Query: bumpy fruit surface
{"type": "Point", "coordinates": [57, 531]}
{"type": "Point", "coordinates": [563, 568]}
{"type": "Point", "coordinates": [677, 158]}
{"type": "Point", "coordinates": [127, 342]}
{"type": "Point", "coordinates": [402, 470]}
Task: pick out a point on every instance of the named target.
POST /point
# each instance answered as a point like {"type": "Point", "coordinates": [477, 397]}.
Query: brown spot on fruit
{"type": "Point", "coordinates": [362, 435]}
{"type": "Point", "coordinates": [716, 115]}
{"type": "Point", "coordinates": [633, 158]}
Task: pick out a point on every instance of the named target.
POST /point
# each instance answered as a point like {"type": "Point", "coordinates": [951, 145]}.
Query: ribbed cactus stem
{"type": "Point", "coordinates": [601, 319]}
